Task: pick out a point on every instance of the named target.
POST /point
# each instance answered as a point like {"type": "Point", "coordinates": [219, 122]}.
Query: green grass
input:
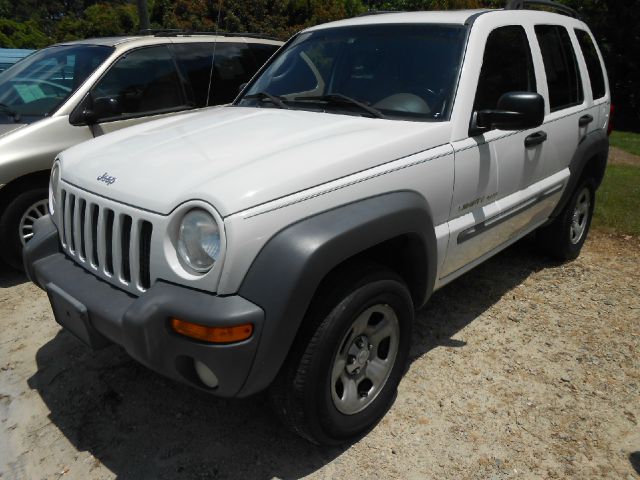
{"type": "Point", "coordinates": [627, 141]}
{"type": "Point", "coordinates": [618, 200]}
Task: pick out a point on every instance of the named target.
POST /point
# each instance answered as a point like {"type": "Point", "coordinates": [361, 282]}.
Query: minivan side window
{"type": "Point", "coordinates": [194, 60]}
{"type": "Point", "coordinates": [561, 67]}
{"type": "Point", "coordinates": [262, 52]}
{"type": "Point", "coordinates": [594, 67]}
{"type": "Point", "coordinates": [141, 82]}
{"type": "Point", "coordinates": [507, 66]}
{"type": "Point", "coordinates": [234, 65]}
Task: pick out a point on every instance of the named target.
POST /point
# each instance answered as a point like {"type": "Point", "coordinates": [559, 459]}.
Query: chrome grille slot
{"type": "Point", "coordinates": [106, 238]}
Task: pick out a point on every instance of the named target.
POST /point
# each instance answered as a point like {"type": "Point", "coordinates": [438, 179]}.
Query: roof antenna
{"type": "Point", "coordinates": [213, 58]}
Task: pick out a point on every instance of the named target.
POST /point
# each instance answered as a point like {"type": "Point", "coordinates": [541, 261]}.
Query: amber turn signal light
{"type": "Point", "coordinates": [212, 334]}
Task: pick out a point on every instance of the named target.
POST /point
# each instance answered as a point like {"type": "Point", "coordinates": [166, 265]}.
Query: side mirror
{"type": "Point", "coordinates": [515, 111]}
{"type": "Point", "coordinates": [91, 111]}
{"type": "Point", "coordinates": [88, 117]}
{"type": "Point", "coordinates": [242, 86]}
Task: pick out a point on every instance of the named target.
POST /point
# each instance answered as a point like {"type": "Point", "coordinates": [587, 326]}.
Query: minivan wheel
{"type": "Point", "coordinates": [342, 373]}
{"type": "Point", "coordinates": [16, 224]}
{"type": "Point", "coordinates": [563, 239]}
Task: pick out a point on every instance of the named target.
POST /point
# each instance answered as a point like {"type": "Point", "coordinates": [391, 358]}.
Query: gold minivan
{"type": "Point", "coordinates": [71, 92]}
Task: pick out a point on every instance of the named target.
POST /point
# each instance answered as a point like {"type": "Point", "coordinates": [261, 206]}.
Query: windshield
{"type": "Point", "coordinates": [402, 71]}
{"type": "Point", "coordinates": [36, 86]}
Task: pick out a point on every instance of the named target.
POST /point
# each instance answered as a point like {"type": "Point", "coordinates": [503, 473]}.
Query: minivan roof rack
{"type": "Point", "coordinates": [559, 7]}
{"type": "Point", "coordinates": [377, 12]}
{"type": "Point", "coordinates": [174, 32]}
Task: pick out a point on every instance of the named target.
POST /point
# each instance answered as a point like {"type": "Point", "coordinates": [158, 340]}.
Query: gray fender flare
{"type": "Point", "coordinates": [595, 145]}
{"type": "Point", "coordinates": [286, 273]}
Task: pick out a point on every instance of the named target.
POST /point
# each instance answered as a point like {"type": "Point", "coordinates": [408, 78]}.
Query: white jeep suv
{"type": "Point", "coordinates": [285, 241]}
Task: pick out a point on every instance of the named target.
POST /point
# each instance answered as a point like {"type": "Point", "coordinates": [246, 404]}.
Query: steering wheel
{"type": "Point", "coordinates": [434, 99]}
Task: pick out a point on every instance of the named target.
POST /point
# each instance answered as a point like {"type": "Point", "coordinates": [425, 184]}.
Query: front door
{"type": "Point", "coordinates": [497, 178]}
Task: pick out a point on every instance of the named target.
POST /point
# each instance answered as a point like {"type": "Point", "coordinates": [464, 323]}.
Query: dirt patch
{"type": "Point", "coordinates": [520, 369]}
{"type": "Point", "coordinates": [620, 157]}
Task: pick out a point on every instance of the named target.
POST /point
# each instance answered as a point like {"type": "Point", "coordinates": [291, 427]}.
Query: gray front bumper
{"type": "Point", "coordinates": [141, 324]}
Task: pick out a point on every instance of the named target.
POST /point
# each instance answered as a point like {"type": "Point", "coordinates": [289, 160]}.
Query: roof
{"type": "Point", "coordinates": [151, 39]}
{"type": "Point", "coordinates": [446, 17]}
{"type": "Point", "coordinates": [450, 17]}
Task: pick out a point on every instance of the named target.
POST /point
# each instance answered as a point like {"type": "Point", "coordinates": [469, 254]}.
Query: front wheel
{"type": "Point", "coordinates": [16, 224]}
{"type": "Point", "coordinates": [563, 239]}
{"type": "Point", "coordinates": [343, 372]}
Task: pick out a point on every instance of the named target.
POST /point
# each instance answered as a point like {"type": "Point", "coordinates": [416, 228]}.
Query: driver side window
{"type": "Point", "coordinates": [507, 66]}
{"type": "Point", "coordinates": [141, 82]}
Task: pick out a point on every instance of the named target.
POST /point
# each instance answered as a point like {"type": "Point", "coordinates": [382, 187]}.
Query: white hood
{"type": "Point", "coordinates": [236, 157]}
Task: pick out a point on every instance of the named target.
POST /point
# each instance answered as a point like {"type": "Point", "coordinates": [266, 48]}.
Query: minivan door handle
{"type": "Point", "coordinates": [535, 139]}
{"type": "Point", "coordinates": [585, 120]}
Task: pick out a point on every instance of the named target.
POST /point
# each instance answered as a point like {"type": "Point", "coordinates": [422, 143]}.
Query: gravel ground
{"type": "Point", "coordinates": [520, 369]}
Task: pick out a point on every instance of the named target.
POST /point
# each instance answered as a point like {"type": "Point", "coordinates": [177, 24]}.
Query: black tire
{"type": "Point", "coordinates": [10, 236]}
{"type": "Point", "coordinates": [302, 393]}
{"type": "Point", "coordinates": [559, 239]}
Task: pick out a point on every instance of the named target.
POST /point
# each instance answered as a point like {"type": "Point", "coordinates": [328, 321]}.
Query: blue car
{"type": "Point", "coordinates": [9, 56]}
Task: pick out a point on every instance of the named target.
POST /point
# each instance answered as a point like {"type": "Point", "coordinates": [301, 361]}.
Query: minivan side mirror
{"type": "Point", "coordinates": [91, 111]}
{"type": "Point", "coordinates": [515, 111]}
{"type": "Point", "coordinates": [88, 117]}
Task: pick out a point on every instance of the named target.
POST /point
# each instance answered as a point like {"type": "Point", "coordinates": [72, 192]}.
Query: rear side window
{"type": "Point", "coordinates": [234, 65]}
{"type": "Point", "coordinates": [506, 67]}
{"type": "Point", "coordinates": [560, 66]}
{"type": "Point", "coordinates": [194, 60]}
{"type": "Point", "coordinates": [262, 52]}
{"type": "Point", "coordinates": [594, 67]}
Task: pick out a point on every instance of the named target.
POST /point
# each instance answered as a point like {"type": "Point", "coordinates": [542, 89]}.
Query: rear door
{"type": "Point", "coordinates": [571, 116]}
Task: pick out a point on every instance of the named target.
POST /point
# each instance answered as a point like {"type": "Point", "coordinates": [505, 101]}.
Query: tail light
{"type": "Point", "coordinates": [610, 127]}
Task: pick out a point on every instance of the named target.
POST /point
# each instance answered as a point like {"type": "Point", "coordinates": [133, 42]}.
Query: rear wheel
{"type": "Point", "coordinates": [16, 224]}
{"type": "Point", "coordinates": [343, 372]}
{"type": "Point", "coordinates": [563, 239]}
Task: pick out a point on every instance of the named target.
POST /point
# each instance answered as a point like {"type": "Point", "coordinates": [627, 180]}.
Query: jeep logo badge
{"type": "Point", "coordinates": [107, 179]}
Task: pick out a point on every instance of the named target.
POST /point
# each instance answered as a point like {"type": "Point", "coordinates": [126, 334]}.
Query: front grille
{"type": "Point", "coordinates": [114, 244]}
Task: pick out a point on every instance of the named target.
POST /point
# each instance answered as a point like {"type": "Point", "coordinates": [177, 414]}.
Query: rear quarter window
{"type": "Point", "coordinates": [594, 67]}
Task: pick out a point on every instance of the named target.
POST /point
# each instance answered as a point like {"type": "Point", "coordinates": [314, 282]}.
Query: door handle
{"type": "Point", "coordinates": [585, 120]}
{"type": "Point", "coordinates": [535, 139]}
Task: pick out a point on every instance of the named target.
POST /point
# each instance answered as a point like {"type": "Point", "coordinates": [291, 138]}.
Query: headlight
{"type": "Point", "coordinates": [199, 240]}
{"type": "Point", "coordinates": [54, 182]}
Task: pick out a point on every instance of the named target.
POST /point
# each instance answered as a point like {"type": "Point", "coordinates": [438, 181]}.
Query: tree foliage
{"type": "Point", "coordinates": [34, 24]}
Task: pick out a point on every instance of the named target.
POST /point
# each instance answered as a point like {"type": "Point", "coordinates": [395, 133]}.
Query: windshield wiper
{"type": "Point", "coordinates": [277, 101]}
{"type": "Point", "coordinates": [9, 111]}
{"type": "Point", "coordinates": [338, 98]}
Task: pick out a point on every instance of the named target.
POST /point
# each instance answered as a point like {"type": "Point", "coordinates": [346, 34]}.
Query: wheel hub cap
{"type": "Point", "coordinates": [580, 217]}
{"type": "Point", "coordinates": [33, 213]}
{"type": "Point", "coordinates": [366, 357]}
